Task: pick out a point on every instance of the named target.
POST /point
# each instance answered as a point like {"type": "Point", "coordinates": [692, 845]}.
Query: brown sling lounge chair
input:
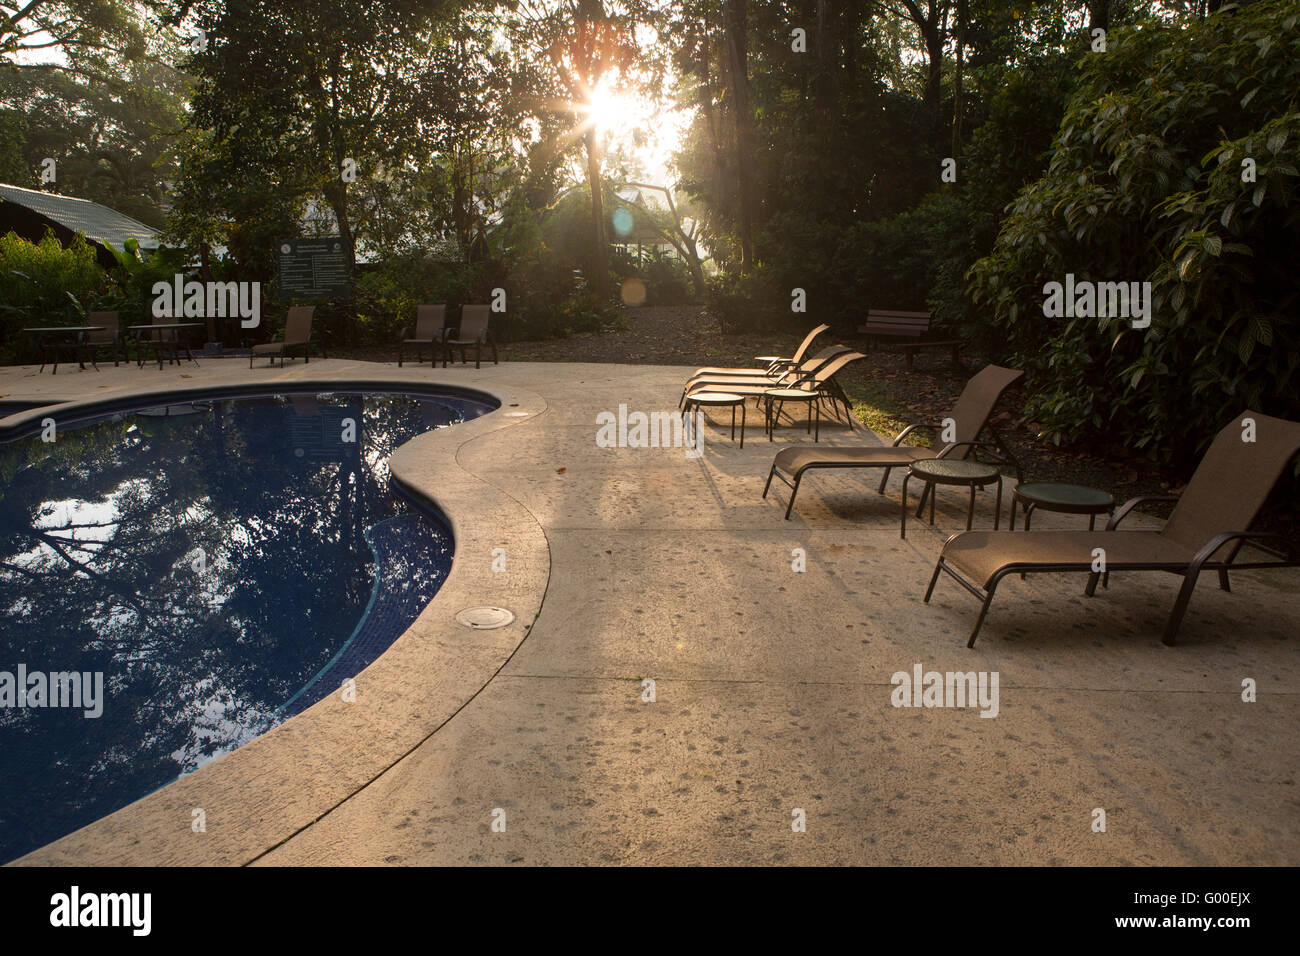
{"type": "Point", "coordinates": [774, 367]}
{"type": "Point", "coordinates": [430, 330]}
{"type": "Point", "coordinates": [1207, 528]}
{"type": "Point", "coordinates": [970, 416]}
{"type": "Point", "coordinates": [473, 331]}
{"type": "Point", "coordinates": [822, 379]}
{"type": "Point", "coordinates": [788, 377]}
{"type": "Point", "coordinates": [297, 337]}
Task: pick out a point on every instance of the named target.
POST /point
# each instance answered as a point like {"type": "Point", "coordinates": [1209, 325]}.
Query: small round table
{"type": "Point", "coordinates": [1062, 498]}
{"type": "Point", "coordinates": [951, 471]}
{"type": "Point", "coordinates": [704, 400]}
{"type": "Point", "coordinates": [780, 396]}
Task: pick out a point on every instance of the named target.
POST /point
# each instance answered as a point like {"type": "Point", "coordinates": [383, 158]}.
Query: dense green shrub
{"type": "Point", "coordinates": [917, 259]}
{"type": "Point", "coordinates": [385, 296]}
{"type": "Point", "coordinates": [133, 278]}
{"type": "Point", "coordinates": [42, 283]}
{"type": "Point", "coordinates": [751, 302]}
{"type": "Point", "coordinates": [1146, 183]}
{"type": "Point", "coordinates": [667, 279]}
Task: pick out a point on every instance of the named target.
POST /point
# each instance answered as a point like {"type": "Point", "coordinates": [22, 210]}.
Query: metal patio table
{"type": "Point", "coordinates": [50, 347]}
{"type": "Point", "coordinates": [1061, 498]}
{"type": "Point", "coordinates": [720, 400]}
{"type": "Point", "coordinates": [779, 396]}
{"type": "Point", "coordinates": [173, 340]}
{"type": "Point", "coordinates": [951, 471]}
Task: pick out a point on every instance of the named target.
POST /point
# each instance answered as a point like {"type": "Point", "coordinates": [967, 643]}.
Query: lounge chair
{"type": "Point", "coordinates": [430, 330]}
{"type": "Point", "coordinates": [970, 417]}
{"type": "Point", "coordinates": [297, 337]}
{"type": "Point", "coordinates": [822, 379]}
{"type": "Point", "coordinates": [1206, 530]}
{"type": "Point", "coordinates": [110, 338]}
{"type": "Point", "coordinates": [473, 331]}
{"type": "Point", "coordinates": [787, 377]}
{"type": "Point", "coordinates": [773, 367]}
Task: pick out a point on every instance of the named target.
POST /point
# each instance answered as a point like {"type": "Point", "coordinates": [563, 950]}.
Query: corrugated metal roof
{"type": "Point", "coordinates": [81, 215]}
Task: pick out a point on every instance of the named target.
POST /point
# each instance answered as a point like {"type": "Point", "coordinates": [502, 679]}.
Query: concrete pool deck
{"type": "Point", "coordinates": [772, 687]}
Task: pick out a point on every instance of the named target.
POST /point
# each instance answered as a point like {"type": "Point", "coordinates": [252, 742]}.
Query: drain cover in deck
{"type": "Point", "coordinates": [485, 618]}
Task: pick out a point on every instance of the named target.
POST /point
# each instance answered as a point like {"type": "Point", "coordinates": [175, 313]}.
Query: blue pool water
{"type": "Point", "coordinates": [223, 564]}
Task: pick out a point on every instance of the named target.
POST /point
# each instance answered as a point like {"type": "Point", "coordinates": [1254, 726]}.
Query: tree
{"type": "Point", "coordinates": [674, 229]}
{"type": "Point", "coordinates": [588, 45]}
{"type": "Point", "coordinates": [310, 96]}
{"type": "Point", "coordinates": [735, 17]}
{"type": "Point", "coordinates": [1167, 168]}
{"type": "Point", "coordinates": [31, 28]}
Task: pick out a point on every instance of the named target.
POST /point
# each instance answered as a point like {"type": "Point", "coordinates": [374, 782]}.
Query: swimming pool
{"type": "Point", "coordinates": [215, 566]}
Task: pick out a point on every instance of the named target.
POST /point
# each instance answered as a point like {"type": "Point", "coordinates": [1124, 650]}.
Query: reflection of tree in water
{"type": "Point", "coordinates": [100, 538]}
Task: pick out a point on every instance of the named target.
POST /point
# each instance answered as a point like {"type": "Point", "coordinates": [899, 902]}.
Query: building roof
{"type": "Point", "coordinates": [98, 223]}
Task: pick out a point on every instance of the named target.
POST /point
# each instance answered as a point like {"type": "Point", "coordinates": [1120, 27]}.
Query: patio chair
{"type": "Point", "coordinates": [159, 340]}
{"type": "Point", "coordinates": [110, 338]}
{"type": "Point", "coordinates": [1205, 532]}
{"type": "Point", "coordinates": [773, 367]}
{"type": "Point", "coordinates": [473, 331]}
{"type": "Point", "coordinates": [296, 338]}
{"type": "Point", "coordinates": [970, 417]}
{"type": "Point", "coordinates": [430, 330]}
{"type": "Point", "coordinates": [786, 377]}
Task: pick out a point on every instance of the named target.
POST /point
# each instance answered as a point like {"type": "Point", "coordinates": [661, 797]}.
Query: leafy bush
{"type": "Point", "coordinates": [133, 279]}
{"type": "Point", "coordinates": [43, 283]}
{"type": "Point", "coordinates": [917, 259]}
{"type": "Point", "coordinates": [668, 281]}
{"type": "Point", "coordinates": [1146, 183]}
{"type": "Point", "coordinates": [386, 296]}
{"type": "Point", "coordinates": [745, 303]}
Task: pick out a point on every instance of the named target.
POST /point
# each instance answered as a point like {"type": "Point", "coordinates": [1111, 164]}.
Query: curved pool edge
{"type": "Point", "coordinates": [260, 795]}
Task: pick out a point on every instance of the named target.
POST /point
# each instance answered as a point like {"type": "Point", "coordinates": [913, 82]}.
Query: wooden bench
{"type": "Point", "coordinates": [910, 325]}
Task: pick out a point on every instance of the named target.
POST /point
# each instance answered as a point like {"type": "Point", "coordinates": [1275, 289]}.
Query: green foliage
{"type": "Point", "coordinates": [42, 283]}
{"type": "Point", "coordinates": [667, 279]}
{"type": "Point", "coordinates": [751, 302]}
{"type": "Point", "coordinates": [133, 279]}
{"type": "Point", "coordinates": [1146, 183]}
{"type": "Point", "coordinates": [917, 259]}
{"type": "Point", "coordinates": [13, 135]}
{"type": "Point", "coordinates": [387, 295]}
{"type": "Point", "coordinates": [108, 116]}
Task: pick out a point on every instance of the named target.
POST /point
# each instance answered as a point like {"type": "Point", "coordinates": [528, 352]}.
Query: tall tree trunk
{"type": "Point", "coordinates": [338, 195]}
{"type": "Point", "coordinates": [600, 256]}
{"type": "Point", "coordinates": [704, 77]}
{"type": "Point", "coordinates": [1098, 14]}
{"type": "Point", "coordinates": [828, 55]}
{"type": "Point", "coordinates": [957, 78]}
{"type": "Point", "coordinates": [735, 21]}
{"type": "Point", "coordinates": [932, 26]}
{"type": "Point", "coordinates": [934, 66]}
